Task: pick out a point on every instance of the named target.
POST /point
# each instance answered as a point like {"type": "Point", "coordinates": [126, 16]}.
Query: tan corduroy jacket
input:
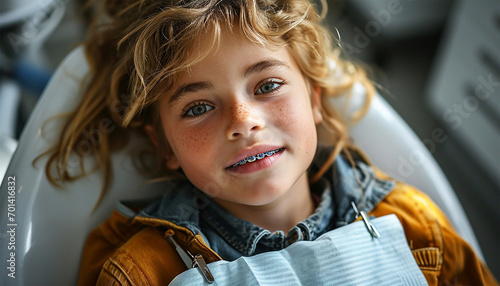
{"type": "Point", "coordinates": [124, 251]}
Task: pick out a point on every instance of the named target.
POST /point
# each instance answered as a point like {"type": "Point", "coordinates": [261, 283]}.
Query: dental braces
{"type": "Point", "coordinates": [257, 157]}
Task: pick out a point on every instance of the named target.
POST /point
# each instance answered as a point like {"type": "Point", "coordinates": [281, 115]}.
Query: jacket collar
{"type": "Point", "coordinates": [180, 205]}
{"type": "Point", "coordinates": [359, 185]}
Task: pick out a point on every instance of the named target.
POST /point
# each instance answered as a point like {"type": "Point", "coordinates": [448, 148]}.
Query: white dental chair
{"type": "Point", "coordinates": [51, 225]}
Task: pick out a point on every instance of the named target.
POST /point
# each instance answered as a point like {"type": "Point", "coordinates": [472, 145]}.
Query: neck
{"type": "Point", "coordinates": [282, 214]}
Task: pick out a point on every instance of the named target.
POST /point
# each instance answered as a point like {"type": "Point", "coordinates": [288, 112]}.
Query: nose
{"type": "Point", "coordinates": [244, 120]}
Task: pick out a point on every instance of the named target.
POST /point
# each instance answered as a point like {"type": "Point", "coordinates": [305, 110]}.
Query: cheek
{"type": "Point", "coordinates": [286, 114]}
{"type": "Point", "coordinates": [192, 143]}
{"type": "Point", "coordinates": [295, 118]}
{"type": "Point", "coordinates": [294, 115]}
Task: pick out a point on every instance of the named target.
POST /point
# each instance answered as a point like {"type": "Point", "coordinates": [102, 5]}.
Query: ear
{"type": "Point", "coordinates": [170, 158]}
{"type": "Point", "coordinates": [316, 104]}
{"type": "Point", "coordinates": [151, 134]}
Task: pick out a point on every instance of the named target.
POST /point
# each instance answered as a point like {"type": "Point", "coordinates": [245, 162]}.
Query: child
{"type": "Point", "coordinates": [232, 95]}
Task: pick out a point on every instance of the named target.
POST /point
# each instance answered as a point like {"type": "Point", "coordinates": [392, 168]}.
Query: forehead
{"type": "Point", "coordinates": [229, 50]}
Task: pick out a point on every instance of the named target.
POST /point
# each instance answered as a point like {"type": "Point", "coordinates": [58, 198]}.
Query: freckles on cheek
{"type": "Point", "coordinates": [287, 115]}
{"type": "Point", "coordinates": [193, 141]}
{"type": "Point", "coordinates": [281, 112]}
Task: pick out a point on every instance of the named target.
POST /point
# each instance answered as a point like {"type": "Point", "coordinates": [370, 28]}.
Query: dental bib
{"type": "Point", "coordinates": [349, 255]}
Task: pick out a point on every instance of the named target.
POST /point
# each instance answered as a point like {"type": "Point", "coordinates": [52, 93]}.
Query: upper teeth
{"type": "Point", "coordinates": [257, 157]}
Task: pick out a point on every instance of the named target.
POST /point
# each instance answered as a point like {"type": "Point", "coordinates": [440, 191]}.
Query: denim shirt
{"type": "Point", "coordinates": [232, 237]}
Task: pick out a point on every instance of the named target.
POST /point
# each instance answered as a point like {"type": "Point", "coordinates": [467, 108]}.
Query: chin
{"type": "Point", "coordinates": [264, 197]}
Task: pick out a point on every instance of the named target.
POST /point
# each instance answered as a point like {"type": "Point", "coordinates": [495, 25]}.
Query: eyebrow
{"type": "Point", "coordinates": [264, 65]}
{"type": "Point", "coordinates": [190, 87]}
{"type": "Point", "coordinates": [255, 68]}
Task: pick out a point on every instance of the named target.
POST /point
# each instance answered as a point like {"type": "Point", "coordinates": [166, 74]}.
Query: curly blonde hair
{"type": "Point", "coordinates": [136, 48]}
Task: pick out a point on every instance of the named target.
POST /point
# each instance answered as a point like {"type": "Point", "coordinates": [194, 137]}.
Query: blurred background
{"type": "Point", "coordinates": [437, 63]}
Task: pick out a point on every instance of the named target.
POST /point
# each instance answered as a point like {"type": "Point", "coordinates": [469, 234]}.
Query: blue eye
{"type": "Point", "coordinates": [268, 87]}
{"type": "Point", "coordinates": [199, 109]}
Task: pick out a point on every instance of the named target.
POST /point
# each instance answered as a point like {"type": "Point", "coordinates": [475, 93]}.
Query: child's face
{"type": "Point", "coordinates": [243, 100]}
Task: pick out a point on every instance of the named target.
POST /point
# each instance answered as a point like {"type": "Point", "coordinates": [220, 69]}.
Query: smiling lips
{"type": "Point", "coordinates": [257, 157]}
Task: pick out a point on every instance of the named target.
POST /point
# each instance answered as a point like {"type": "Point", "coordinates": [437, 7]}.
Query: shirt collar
{"type": "Point", "coordinates": [250, 239]}
{"type": "Point", "coordinates": [181, 205]}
